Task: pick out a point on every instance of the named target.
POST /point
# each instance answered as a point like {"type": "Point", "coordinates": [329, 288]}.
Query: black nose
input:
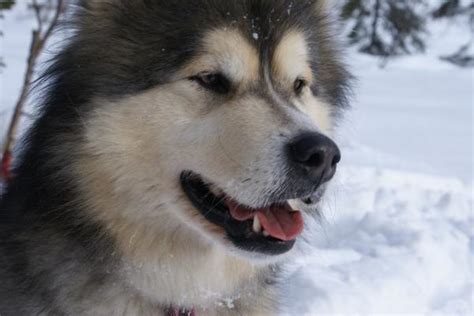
{"type": "Point", "coordinates": [317, 155]}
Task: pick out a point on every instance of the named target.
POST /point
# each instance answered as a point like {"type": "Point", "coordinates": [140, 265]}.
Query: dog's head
{"type": "Point", "coordinates": [217, 114]}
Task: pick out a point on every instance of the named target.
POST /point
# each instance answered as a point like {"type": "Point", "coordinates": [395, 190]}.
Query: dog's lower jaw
{"type": "Point", "coordinates": [173, 265]}
{"type": "Point", "coordinates": [203, 277]}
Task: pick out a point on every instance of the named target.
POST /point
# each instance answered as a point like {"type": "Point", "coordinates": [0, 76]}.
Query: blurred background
{"type": "Point", "coordinates": [397, 237]}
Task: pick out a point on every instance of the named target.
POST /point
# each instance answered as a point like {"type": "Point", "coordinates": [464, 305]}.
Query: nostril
{"type": "Point", "coordinates": [336, 160]}
{"type": "Point", "coordinates": [316, 159]}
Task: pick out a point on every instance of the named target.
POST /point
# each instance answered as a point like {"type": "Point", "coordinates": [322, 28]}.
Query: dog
{"type": "Point", "coordinates": [179, 147]}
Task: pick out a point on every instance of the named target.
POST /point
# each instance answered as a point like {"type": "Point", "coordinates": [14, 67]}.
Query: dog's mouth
{"type": "Point", "coordinates": [270, 230]}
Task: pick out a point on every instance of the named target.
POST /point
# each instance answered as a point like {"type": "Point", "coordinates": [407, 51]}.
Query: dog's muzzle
{"type": "Point", "coordinates": [272, 227]}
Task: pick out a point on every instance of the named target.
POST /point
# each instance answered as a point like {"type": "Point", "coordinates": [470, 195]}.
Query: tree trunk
{"type": "Point", "coordinates": [375, 24]}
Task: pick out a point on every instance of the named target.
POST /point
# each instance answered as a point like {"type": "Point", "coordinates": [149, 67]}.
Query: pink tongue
{"type": "Point", "coordinates": [280, 222]}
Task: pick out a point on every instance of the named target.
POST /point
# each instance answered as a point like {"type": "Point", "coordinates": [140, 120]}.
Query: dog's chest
{"type": "Point", "coordinates": [193, 279]}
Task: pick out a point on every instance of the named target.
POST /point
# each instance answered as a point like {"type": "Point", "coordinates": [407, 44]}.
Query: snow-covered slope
{"type": "Point", "coordinates": [398, 230]}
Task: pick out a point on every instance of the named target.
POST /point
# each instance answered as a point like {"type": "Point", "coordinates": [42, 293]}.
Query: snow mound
{"type": "Point", "coordinates": [391, 241]}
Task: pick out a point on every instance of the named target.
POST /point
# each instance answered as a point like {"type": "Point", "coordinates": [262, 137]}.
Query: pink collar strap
{"type": "Point", "coordinates": [173, 311]}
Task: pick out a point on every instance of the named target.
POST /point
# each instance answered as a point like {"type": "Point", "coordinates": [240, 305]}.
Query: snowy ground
{"type": "Point", "coordinates": [392, 242]}
{"type": "Point", "coordinates": [398, 231]}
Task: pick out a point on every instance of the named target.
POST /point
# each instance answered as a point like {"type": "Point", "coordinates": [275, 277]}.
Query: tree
{"type": "Point", "coordinates": [6, 4]}
{"type": "Point", "coordinates": [385, 28]}
{"type": "Point", "coordinates": [47, 14]}
{"type": "Point", "coordinates": [455, 9]}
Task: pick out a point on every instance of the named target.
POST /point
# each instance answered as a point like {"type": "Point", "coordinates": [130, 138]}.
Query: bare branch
{"type": "Point", "coordinates": [38, 41]}
{"type": "Point", "coordinates": [37, 10]}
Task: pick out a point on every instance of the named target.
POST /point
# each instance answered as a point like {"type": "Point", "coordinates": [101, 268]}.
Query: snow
{"type": "Point", "coordinates": [397, 237]}
{"type": "Point", "coordinates": [419, 114]}
{"type": "Point", "coordinates": [392, 242]}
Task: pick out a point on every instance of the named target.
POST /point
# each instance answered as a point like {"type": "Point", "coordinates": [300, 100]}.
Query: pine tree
{"type": "Point", "coordinates": [6, 4]}
{"type": "Point", "coordinates": [456, 9]}
{"type": "Point", "coordinates": [385, 28]}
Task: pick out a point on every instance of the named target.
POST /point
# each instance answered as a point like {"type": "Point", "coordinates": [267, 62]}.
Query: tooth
{"type": "Point", "coordinates": [265, 233]}
{"type": "Point", "coordinates": [257, 227]}
{"type": "Point", "coordinates": [293, 205]}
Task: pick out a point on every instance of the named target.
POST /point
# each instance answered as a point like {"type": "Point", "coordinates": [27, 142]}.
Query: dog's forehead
{"type": "Point", "coordinates": [243, 36]}
{"type": "Point", "coordinates": [290, 38]}
{"type": "Point", "coordinates": [228, 50]}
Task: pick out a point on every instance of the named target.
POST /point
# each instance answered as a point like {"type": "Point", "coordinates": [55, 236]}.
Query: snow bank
{"type": "Point", "coordinates": [392, 242]}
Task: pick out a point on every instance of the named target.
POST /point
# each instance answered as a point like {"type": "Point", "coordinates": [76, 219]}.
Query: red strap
{"type": "Point", "coordinates": [6, 164]}
{"type": "Point", "coordinates": [173, 311]}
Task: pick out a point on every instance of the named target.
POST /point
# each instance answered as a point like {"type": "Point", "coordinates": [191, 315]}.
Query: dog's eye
{"type": "Point", "coordinates": [215, 82]}
{"type": "Point", "coordinates": [299, 85]}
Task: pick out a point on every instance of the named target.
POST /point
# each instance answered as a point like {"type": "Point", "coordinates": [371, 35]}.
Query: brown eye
{"type": "Point", "coordinates": [215, 82]}
{"type": "Point", "coordinates": [299, 85]}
